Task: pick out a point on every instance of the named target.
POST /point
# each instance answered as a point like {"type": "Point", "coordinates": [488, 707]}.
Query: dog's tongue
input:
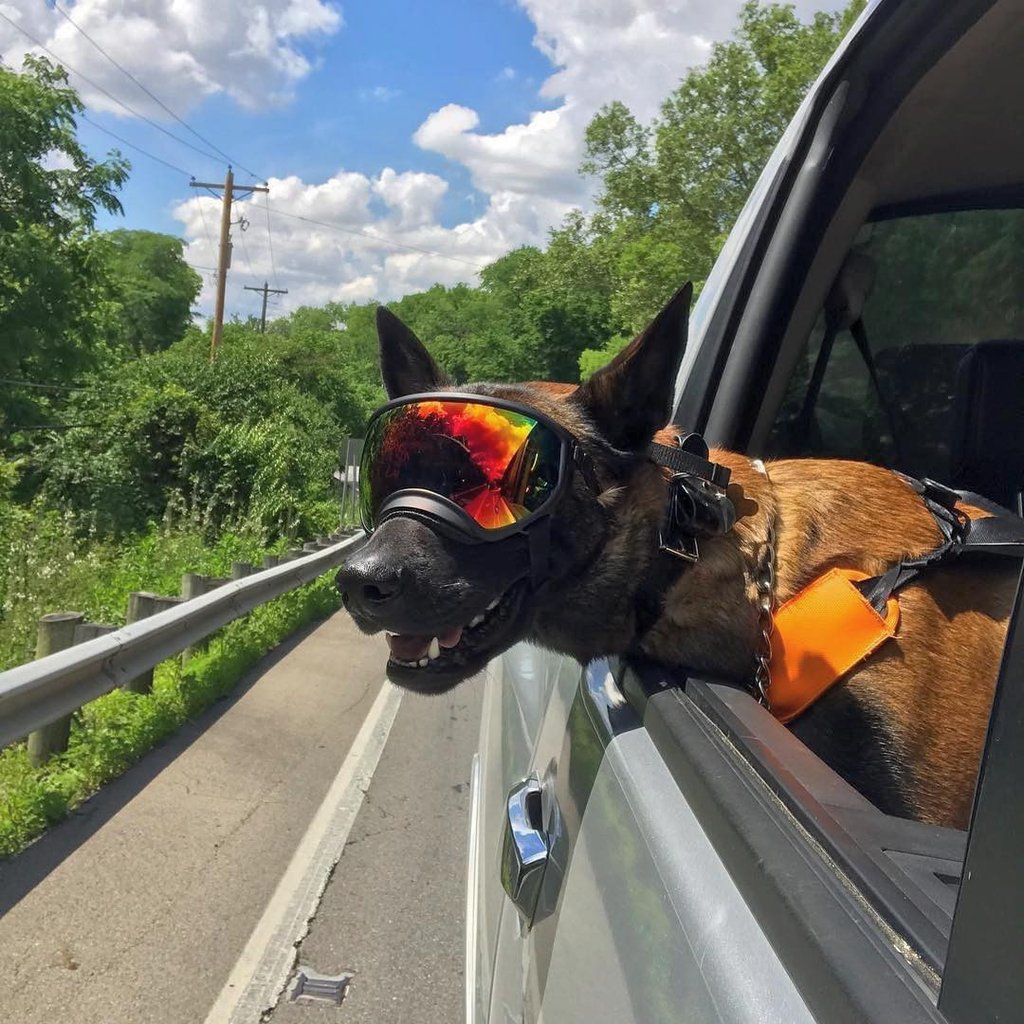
{"type": "Point", "coordinates": [412, 648]}
{"type": "Point", "coordinates": [451, 638]}
{"type": "Point", "coordinates": [408, 648]}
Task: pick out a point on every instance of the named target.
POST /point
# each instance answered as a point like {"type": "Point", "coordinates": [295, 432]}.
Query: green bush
{"type": "Point", "coordinates": [111, 733]}
{"type": "Point", "coordinates": [248, 444]}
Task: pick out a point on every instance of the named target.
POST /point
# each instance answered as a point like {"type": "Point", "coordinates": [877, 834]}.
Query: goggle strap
{"type": "Point", "coordinates": [680, 461]}
{"type": "Point", "coordinates": [539, 539]}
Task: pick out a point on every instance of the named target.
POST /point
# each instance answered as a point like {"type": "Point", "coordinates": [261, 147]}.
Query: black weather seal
{"type": "Point", "coordinates": [1009, 197]}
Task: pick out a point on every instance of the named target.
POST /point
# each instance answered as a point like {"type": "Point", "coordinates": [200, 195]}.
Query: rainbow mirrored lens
{"type": "Point", "coordinates": [497, 465]}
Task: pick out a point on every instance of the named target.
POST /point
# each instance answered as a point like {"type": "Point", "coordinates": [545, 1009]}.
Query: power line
{"type": "Point", "coordinates": [44, 387]}
{"type": "Point", "coordinates": [114, 135]}
{"type": "Point", "coordinates": [131, 110]}
{"type": "Point", "coordinates": [378, 238]}
{"type": "Point", "coordinates": [156, 99]}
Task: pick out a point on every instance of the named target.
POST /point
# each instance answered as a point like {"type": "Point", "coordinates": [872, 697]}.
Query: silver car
{"type": "Point", "coordinates": [657, 848]}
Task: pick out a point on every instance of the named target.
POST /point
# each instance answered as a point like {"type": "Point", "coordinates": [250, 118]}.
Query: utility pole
{"type": "Point", "coordinates": [267, 290]}
{"type": "Point", "coordinates": [224, 251]}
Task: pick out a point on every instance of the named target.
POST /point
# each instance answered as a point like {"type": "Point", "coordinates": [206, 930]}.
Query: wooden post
{"type": "Point", "coordinates": [56, 632]}
{"type": "Point", "coordinates": [141, 604]}
{"type": "Point", "coordinates": [224, 249]}
{"type": "Point", "coordinates": [90, 630]}
{"type": "Point", "coordinates": [192, 585]}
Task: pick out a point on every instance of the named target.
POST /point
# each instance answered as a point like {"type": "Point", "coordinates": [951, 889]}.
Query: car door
{"type": "Point", "coordinates": [643, 913]}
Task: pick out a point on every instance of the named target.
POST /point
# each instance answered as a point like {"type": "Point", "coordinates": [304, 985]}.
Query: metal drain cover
{"type": "Point", "coordinates": [325, 988]}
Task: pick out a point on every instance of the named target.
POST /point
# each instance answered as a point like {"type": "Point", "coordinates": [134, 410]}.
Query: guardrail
{"type": "Point", "coordinates": [41, 692]}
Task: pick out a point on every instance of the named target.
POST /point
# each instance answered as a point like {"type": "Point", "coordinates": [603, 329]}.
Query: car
{"type": "Point", "coordinates": [650, 847]}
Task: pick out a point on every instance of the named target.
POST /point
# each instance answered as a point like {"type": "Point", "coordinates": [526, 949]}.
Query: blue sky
{"type": "Point", "coordinates": [374, 82]}
{"type": "Point", "coordinates": [425, 138]}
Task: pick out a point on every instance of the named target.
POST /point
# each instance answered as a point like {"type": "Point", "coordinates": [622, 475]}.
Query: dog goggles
{"type": "Point", "coordinates": [482, 466]}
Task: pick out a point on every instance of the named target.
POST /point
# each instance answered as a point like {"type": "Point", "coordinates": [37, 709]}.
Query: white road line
{"type": "Point", "coordinates": [261, 973]}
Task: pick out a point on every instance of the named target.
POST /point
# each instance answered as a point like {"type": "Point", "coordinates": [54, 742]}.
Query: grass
{"type": "Point", "coordinates": [111, 733]}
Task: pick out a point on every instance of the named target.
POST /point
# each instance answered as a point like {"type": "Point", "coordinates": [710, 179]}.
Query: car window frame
{"type": "Point", "coordinates": [738, 337]}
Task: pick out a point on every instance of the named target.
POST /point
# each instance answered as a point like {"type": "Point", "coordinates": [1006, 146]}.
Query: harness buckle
{"type": "Point", "coordinates": [687, 548]}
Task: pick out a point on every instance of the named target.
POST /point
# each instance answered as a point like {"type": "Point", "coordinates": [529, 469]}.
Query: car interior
{"type": "Point", "coordinates": [905, 348]}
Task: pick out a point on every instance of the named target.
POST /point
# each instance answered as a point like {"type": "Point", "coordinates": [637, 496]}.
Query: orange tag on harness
{"type": "Point", "coordinates": [820, 634]}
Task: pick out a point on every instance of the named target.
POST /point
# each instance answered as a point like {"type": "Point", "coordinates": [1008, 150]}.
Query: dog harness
{"type": "Point", "coordinates": [828, 628]}
{"type": "Point", "coordinates": [825, 630]}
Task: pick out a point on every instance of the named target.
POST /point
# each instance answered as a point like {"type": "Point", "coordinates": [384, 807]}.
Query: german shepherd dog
{"type": "Point", "coordinates": [906, 727]}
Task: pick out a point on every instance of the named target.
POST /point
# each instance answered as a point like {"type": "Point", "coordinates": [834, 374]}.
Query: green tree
{"type": "Point", "coordinates": [154, 287]}
{"type": "Point", "coordinates": [671, 190]}
{"type": "Point", "coordinates": [54, 302]}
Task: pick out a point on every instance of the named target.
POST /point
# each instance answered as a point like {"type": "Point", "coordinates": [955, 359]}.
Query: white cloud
{"type": "Point", "coordinates": [635, 51]}
{"type": "Point", "coordinates": [185, 50]}
{"type": "Point", "coordinates": [380, 93]}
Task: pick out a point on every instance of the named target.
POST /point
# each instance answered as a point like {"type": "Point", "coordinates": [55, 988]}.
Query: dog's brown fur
{"type": "Point", "coordinates": [929, 690]}
{"type": "Point", "coordinates": [906, 727]}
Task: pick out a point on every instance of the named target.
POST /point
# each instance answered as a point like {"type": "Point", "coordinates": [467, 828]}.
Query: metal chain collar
{"type": "Point", "coordinates": [764, 582]}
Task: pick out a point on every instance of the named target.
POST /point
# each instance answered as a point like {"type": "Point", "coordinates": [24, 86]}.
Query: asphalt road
{"type": "Point", "coordinates": [165, 896]}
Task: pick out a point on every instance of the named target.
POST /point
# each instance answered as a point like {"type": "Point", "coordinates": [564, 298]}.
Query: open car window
{"type": "Point", "coordinates": [917, 356]}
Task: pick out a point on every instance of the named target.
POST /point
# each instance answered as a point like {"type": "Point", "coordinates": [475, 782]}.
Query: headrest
{"type": "Point", "coordinates": [987, 446]}
{"type": "Point", "coordinates": [850, 290]}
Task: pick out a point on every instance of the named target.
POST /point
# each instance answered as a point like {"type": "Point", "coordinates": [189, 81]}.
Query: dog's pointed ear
{"type": "Point", "coordinates": [405, 364]}
{"type": "Point", "coordinates": [630, 399]}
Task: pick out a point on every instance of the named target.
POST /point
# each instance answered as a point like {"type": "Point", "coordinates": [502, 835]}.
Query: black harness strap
{"type": "Point", "coordinates": [1000, 534]}
{"type": "Point", "coordinates": [697, 506]}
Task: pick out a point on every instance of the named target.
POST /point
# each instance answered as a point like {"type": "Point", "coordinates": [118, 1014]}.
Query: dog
{"type": "Point", "coordinates": [906, 727]}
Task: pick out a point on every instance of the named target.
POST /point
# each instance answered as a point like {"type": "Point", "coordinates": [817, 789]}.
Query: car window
{"type": "Point", "coordinates": [924, 326]}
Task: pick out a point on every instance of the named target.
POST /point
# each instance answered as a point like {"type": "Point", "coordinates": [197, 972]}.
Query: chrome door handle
{"type": "Point", "coordinates": [524, 852]}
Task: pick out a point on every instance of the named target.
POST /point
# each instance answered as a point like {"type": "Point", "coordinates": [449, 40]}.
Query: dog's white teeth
{"type": "Point", "coordinates": [476, 621]}
{"type": "Point", "coordinates": [493, 604]}
{"type": "Point", "coordinates": [423, 662]}
{"type": "Point", "coordinates": [434, 651]}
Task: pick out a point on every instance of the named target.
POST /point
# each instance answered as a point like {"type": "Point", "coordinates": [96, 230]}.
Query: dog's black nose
{"type": "Point", "coordinates": [369, 583]}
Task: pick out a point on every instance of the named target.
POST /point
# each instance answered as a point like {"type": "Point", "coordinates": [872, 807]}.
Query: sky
{"type": "Point", "coordinates": [428, 138]}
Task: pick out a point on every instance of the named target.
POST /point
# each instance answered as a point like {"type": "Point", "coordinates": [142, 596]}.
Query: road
{"type": "Point", "coordinates": [189, 889]}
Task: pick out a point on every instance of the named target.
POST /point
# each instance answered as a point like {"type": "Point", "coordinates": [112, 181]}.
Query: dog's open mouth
{"type": "Point", "coordinates": [438, 661]}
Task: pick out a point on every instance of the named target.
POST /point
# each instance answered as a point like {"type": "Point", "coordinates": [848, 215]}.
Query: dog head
{"type": "Point", "coordinates": [448, 606]}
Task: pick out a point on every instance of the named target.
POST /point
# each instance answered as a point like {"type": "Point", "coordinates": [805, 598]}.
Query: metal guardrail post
{"type": "Point", "coordinates": [269, 561]}
{"type": "Point", "coordinates": [310, 545]}
{"type": "Point", "coordinates": [55, 633]}
{"type": "Point", "coordinates": [141, 604]}
{"type": "Point", "coordinates": [295, 553]}
{"type": "Point", "coordinates": [239, 570]}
